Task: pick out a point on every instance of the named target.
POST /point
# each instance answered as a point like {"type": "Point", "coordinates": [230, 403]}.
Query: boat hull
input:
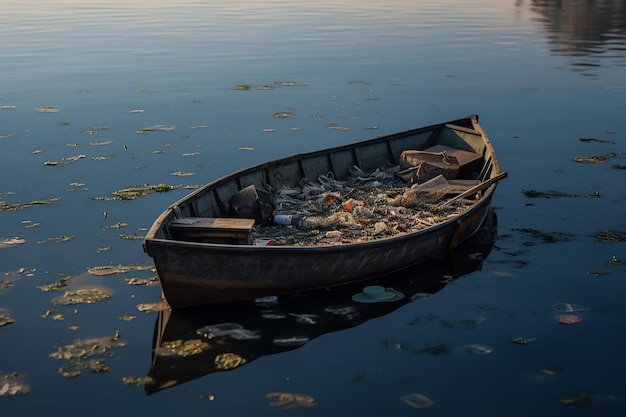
{"type": "Point", "coordinates": [193, 273]}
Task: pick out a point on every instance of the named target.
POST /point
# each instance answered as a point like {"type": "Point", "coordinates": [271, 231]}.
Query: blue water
{"type": "Point", "coordinates": [541, 75]}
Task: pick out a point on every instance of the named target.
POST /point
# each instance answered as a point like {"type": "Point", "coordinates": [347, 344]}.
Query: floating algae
{"type": "Point", "coordinates": [57, 239]}
{"type": "Point", "coordinates": [56, 285]}
{"type": "Point", "coordinates": [86, 354]}
{"type": "Point", "coordinates": [131, 193]}
{"type": "Point", "coordinates": [287, 401]}
{"type": "Point", "coordinates": [283, 114]}
{"type": "Point", "coordinates": [182, 348]}
{"type": "Point", "coordinates": [138, 381]}
{"type": "Point", "coordinates": [593, 159]}
{"type": "Point", "coordinates": [47, 109]}
{"type": "Point", "coordinates": [157, 128]}
{"type": "Point", "coordinates": [117, 269]}
{"type": "Point", "coordinates": [417, 400]}
{"type": "Point", "coordinates": [12, 384]}
{"type": "Point", "coordinates": [4, 206]}
{"type": "Point", "coordinates": [226, 361]}
{"type": "Point", "coordinates": [82, 296]}
{"type": "Point", "coordinates": [5, 318]}
{"type": "Point", "coordinates": [578, 400]}
{"type": "Point", "coordinates": [609, 236]}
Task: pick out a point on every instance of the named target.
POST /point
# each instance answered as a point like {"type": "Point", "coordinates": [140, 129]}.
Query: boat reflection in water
{"type": "Point", "coordinates": [192, 342]}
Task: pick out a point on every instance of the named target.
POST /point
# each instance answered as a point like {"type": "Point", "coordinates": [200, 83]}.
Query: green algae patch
{"type": "Point", "coordinates": [579, 400]}
{"type": "Point", "coordinates": [182, 348]}
{"type": "Point", "coordinates": [610, 236]}
{"type": "Point", "coordinates": [56, 285]}
{"type": "Point", "coordinates": [5, 318]}
{"type": "Point", "coordinates": [89, 354]}
{"type": "Point", "coordinates": [82, 296]}
{"type": "Point", "coordinates": [593, 159]}
{"type": "Point", "coordinates": [133, 192]}
{"type": "Point", "coordinates": [4, 206]}
{"type": "Point", "coordinates": [117, 269]}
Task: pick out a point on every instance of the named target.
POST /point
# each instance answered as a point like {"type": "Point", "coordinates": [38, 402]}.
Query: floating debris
{"type": "Point", "coordinates": [283, 114]}
{"type": "Point", "coordinates": [578, 400]}
{"type": "Point", "coordinates": [593, 159]}
{"type": "Point", "coordinates": [182, 173]}
{"type": "Point", "coordinates": [289, 401]}
{"type": "Point", "coordinates": [153, 307]}
{"type": "Point", "coordinates": [246, 148]}
{"type": "Point", "coordinates": [7, 107]}
{"type": "Point", "coordinates": [290, 84]}
{"type": "Point", "coordinates": [567, 307]}
{"type": "Point", "coordinates": [56, 285]}
{"type": "Point", "coordinates": [234, 330]}
{"type": "Point", "coordinates": [57, 239]}
{"type": "Point", "coordinates": [82, 296]}
{"type": "Point", "coordinates": [138, 381]}
{"type": "Point", "coordinates": [5, 318]}
{"type": "Point", "coordinates": [131, 237]}
{"type": "Point", "coordinates": [340, 128]}
{"type": "Point", "coordinates": [523, 340]}
{"type": "Point", "coordinates": [478, 349]}
{"type": "Point", "coordinates": [53, 314]}
{"type": "Point", "coordinates": [229, 360]}
{"type": "Point", "coordinates": [5, 283]}
{"type": "Point", "coordinates": [47, 109]}
{"type": "Point", "coordinates": [417, 400]}
{"type": "Point", "coordinates": [182, 348]}
{"type": "Point", "coordinates": [242, 87]}
{"type": "Point", "coordinates": [156, 128]}
{"type": "Point", "coordinates": [568, 319]}
{"type": "Point", "coordinates": [11, 241]}
{"type": "Point", "coordinates": [142, 281]}
{"type": "Point", "coordinates": [117, 269]}
{"type": "Point", "coordinates": [126, 318]}
{"type": "Point", "coordinates": [19, 206]}
{"type": "Point", "coordinates": [131, 193]}
{"type": "Point", "coordinates": [136, 111]}
{"type": "Point", "coordinates": [12, 384]}
{"type": "Point", "coordinates": [610, 236]}
{"type": "Point", "coordinates": [86, 354]}
{"type": "Point", "coordinates": [291, 341]}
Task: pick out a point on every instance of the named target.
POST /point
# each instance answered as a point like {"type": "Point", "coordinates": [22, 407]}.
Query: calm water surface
{"type": "Point", "coordinates": [541, 74]}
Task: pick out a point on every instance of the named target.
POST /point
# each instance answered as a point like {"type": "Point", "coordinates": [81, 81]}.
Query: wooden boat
{"type": "Point", "coordinates": [194, 342]}
{"type": "Point", "coordinates": [204, 254]}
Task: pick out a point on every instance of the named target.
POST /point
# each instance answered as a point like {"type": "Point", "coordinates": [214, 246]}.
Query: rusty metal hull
{"type": "Point", "coordinates": [194, 273]}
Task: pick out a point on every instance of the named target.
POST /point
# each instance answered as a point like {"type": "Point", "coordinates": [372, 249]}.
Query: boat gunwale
{"type": "Point", "coordinates": [161, 220]}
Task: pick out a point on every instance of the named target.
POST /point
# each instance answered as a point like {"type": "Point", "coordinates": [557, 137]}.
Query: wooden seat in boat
{"type": "Point", "coordinates": [236, 231]}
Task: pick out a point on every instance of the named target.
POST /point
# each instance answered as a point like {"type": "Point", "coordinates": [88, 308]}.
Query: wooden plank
{"type": "Point", "coordinates": [475, 189]}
